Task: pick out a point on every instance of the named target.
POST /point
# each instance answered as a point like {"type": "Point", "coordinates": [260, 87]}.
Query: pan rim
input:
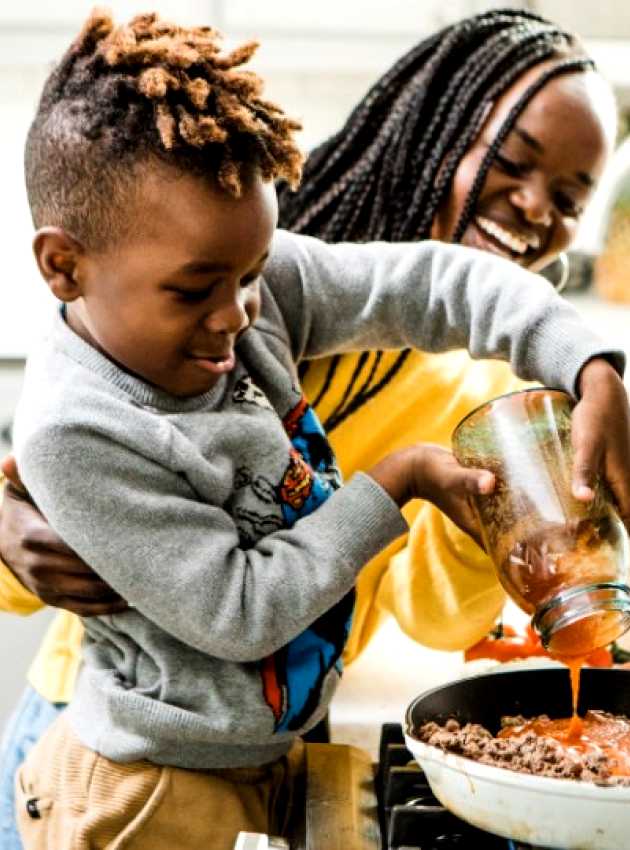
{"type": "Point", "coordinates": [574, 788]}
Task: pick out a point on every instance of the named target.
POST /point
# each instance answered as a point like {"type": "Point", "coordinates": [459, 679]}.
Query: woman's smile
{"type": "Point", "coordinates": [511, 240]}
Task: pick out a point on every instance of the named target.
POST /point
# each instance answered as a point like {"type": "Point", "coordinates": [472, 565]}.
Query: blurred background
{"type": "Point", "coordinates": [318, 60]}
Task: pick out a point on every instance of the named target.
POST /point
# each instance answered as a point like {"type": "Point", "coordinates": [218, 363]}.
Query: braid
{"type": "Point", "coordinates": [385, 174]}
{"type": "Point", "coordinates": [148, 89]}
{"type": "Point", "coordinates": [462, 127]}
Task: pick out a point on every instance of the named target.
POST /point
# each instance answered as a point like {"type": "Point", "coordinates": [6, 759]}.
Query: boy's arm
{"type": "Point", "coordinates": [179, 560]}
{"type": "Point", "coordinates": [430, 296]}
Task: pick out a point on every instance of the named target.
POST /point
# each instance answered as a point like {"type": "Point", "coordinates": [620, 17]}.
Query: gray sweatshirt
{"type": "Point", "coordinates": [220, 517]}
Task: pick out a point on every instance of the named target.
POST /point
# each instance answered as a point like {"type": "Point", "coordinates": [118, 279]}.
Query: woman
{"type": "Point", "coordinates": [465, 139]}
{"type": "Point", "coordinates": [484, 134]}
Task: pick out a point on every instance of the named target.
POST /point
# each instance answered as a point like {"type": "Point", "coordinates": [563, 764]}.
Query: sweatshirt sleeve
{"type": "Point", "coordinates": [429, 296]}
{"type": "Point", "coordinates": [179, 561]}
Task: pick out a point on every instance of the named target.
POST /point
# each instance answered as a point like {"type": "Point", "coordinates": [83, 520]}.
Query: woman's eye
{"type": "Point", "coordinates": [513, 169]}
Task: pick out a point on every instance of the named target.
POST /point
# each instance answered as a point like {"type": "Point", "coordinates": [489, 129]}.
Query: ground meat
{"type": "Point", "coordinates": [526, 753]}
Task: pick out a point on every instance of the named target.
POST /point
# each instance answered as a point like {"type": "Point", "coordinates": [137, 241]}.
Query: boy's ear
{"type": "Point", "coordinates": [58, 255]}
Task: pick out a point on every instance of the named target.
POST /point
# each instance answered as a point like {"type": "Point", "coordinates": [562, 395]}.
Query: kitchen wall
{"type": "Point", "coordinates": [318, 58]}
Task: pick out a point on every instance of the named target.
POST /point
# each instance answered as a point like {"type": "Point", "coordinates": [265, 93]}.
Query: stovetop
{"type": "Point", "coordinates": [410, 816]}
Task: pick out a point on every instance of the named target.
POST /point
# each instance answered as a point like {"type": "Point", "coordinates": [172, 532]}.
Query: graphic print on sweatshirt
{"type": "Point", "coordinates": [293, 677]}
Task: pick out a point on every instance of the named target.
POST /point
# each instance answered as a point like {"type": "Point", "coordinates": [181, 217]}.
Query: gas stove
{"type": "Point", "coordinates": [410, 817]}
{"type": "Point", "coordinates": [343, 801]}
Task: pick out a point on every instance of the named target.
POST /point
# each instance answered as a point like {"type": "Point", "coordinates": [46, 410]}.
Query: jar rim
{"type": "Point", "coordinates": [491, 401]}
{"type": "Point", "coordinates": [553, 615]}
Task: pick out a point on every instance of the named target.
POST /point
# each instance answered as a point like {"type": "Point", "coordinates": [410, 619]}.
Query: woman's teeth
{"type": "Point", "coordinates": [505, 237]}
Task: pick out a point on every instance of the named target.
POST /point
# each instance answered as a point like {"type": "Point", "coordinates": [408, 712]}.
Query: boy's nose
{"type": "Point", "coordinates": [229, 318]}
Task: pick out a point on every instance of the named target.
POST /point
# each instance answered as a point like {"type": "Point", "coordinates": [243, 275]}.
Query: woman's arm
{"type": "Point", "coordinates": [38, 568]}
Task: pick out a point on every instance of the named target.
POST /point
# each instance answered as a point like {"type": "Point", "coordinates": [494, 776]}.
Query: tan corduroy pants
{"type": "Point", "coordinates": [70, 798]}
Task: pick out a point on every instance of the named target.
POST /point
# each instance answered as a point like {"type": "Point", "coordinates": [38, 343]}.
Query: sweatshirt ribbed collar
{"type": "Point", "coordinates": [140, 391]}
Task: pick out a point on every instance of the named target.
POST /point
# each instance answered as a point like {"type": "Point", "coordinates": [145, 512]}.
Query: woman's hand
{"type": "Point", "coordinates": [601, 435]}
{"type": "Point", "coordinates": [426, 471]}
{"type": "Point", "coordinates": [42, 562]}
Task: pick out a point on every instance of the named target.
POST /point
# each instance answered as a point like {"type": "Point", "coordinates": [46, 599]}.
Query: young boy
{"type": "Point", "coordinates": [170, 378]}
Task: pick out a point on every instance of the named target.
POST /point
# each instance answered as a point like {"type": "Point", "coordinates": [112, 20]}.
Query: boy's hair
{"type": "Point", "coordinates": [385, 173]}
{"type": "Point", "coordinates": [147, 92]}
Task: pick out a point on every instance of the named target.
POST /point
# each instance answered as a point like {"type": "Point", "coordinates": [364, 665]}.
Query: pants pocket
{"type": "Point", "coordinates": [33, 808]}
{"type": "Point", "coordinates": [70, 798]}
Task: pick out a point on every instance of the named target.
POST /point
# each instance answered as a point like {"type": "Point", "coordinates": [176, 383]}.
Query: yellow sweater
{"type": "Point", "coordinates": [436, 582]}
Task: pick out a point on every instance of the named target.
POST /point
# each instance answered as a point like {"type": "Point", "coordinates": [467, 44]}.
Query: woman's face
{"type": "Point", "coordinates": [544, 173]}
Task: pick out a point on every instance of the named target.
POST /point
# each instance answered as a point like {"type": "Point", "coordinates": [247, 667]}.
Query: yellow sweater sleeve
{"type": "Point", "coordinates": [14, 597]}
{"type": "Point", "coordinates": [438, 584]}
{"type": "Point", "coordinates": [54, 669]}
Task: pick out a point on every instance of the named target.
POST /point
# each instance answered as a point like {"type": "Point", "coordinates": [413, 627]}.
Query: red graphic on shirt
{"type": "Point", "coordinates": [297, 481]}
{"type": "Point", "coordinates": [291, 421]}
{"type": "Point", "coordinates": [273, 692]}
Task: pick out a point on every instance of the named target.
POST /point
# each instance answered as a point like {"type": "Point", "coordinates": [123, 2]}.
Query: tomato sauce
{"type": "Point", "coordinates": [600, 733]}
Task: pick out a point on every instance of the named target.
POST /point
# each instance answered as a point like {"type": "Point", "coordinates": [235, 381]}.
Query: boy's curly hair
{"type": "Point", "coordinates": [147, 92]}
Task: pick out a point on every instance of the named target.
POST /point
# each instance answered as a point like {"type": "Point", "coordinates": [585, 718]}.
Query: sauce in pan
{"type": "Point", "coordinates": [599, 734]}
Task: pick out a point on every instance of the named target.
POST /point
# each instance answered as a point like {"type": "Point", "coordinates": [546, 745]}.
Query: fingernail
{"type": "Point", "coordinates": [486, 482]}
{"type": "Point", "coordinates": [583, 493]}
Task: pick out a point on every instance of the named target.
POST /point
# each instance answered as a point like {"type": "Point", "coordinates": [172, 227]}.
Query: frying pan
{"type": "Point", "coordinates": [560, 813]}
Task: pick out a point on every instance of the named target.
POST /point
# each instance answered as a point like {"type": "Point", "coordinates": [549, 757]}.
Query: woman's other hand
{"type": "Point", "coordinates": [601, 435]}
{"type": "Point", "coordinates": [42, 562]}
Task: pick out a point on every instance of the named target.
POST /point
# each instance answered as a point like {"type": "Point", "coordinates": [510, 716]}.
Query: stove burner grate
{"type": "Point", "coordinates": [410, 816]}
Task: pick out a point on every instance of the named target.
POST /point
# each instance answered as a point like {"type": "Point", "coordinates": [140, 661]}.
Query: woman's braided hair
{"type": "Point", "coordinates": [147, 91]}
{"type": "Point", "coordinates": [386, 172]}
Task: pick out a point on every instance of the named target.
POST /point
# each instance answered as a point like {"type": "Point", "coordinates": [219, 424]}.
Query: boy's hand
{"type": "Point", "coordinates": [425, 471]}
{"type": "Point", "coordinates": [601, 435]}
{"type": "Point", "coordinates": [42, 562]}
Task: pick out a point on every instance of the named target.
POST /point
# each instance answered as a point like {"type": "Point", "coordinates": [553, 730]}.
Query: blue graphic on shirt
{"type": "Point", "coordinates": [293, 676]}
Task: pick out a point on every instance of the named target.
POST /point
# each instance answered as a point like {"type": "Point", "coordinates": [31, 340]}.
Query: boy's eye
{"type": "Point", "coordinates": [248, 281]}
{"type": "Point", "coordinates": [190, 296]}
{"type": "Point", "coordinates": [508, 166]}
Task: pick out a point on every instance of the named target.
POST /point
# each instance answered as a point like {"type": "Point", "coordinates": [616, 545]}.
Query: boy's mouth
{"type": "Point", "coordinates": [218, 365]}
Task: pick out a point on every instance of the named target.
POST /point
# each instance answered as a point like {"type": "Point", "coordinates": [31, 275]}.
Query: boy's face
{"type": "Point", "coordinates": [170, 301]}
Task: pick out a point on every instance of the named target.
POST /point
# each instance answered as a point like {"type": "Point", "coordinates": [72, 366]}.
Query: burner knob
{"type": "Point", "coordinates": [259, 841]}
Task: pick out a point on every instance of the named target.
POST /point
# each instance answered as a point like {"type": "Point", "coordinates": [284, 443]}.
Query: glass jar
{"type": "Point", "coordinates": [563, 561]}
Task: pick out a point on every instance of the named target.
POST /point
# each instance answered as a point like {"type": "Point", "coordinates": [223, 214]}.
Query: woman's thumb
{"type": "Point", "coordinates": [584, 473]}
{"type": "Point", "coordinates": [10, 472]}
{"type": "Point", "coordinates": [478, 482]}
